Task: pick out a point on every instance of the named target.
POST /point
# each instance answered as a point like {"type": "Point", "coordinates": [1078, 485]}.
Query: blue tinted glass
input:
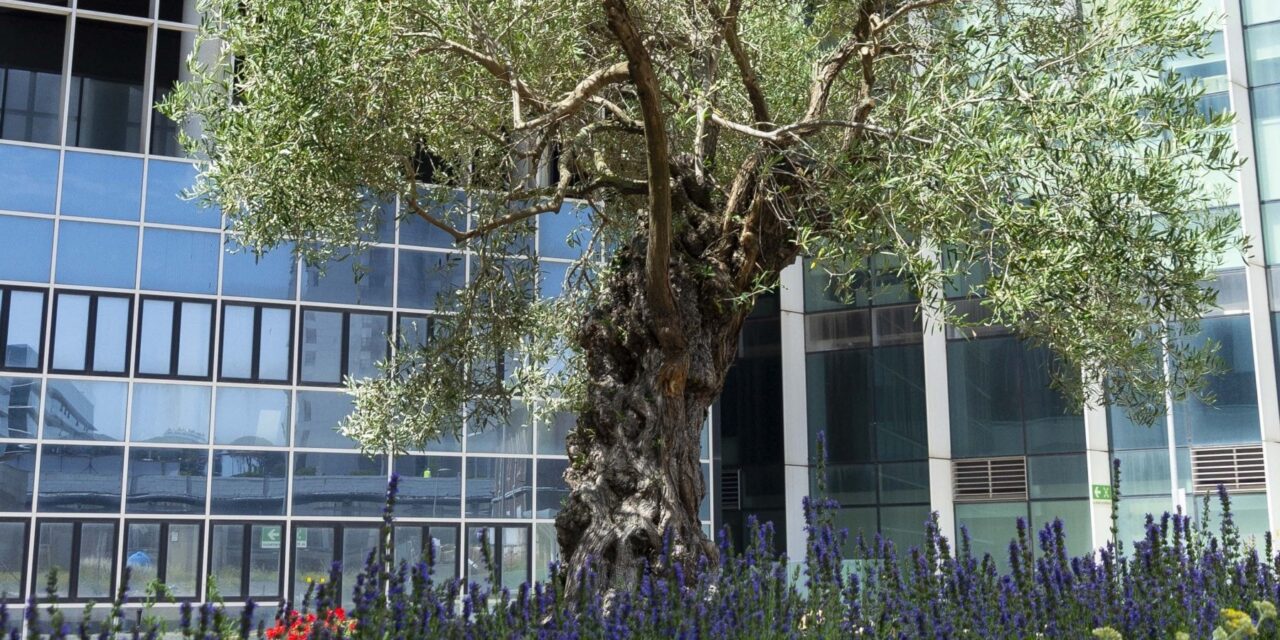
{"type": "Point", "coordinates": [85, 410]}
{"type": "Point", "coordinates": [28, 248]}
{"type": "Point", "coordinates": [19, 407]}
{"type": "Point", "coordinates": [319, 413]}
{"type": "Point", "coordinates": [565, 233]}
{"type": "Point", "coordinates": [271, 276]}
{"type": "Point", "coordinates": [176, 413]}
{"type": "Point", "coordinates": [414, 331]}
{"type": "Point", "coordinates": [252, 417]}
{"type": "Point", "coordinates": [102, 255]}
{"type": "Point", "coordinates": [249, 483]}
{"type": "Point", "coordinates": [82, 479]}
{"type": "Point", "coordinates": [1232, 418]}
{"type": "Point", "coordinates": [552, 276]}
{"type": "Point", "coordinates": [193, 345]}
{"type": "Point", "coordinates": [184, 261]}
{"type": "Point", "coordinates": [321, 346]}
{"type": "Point", "coordinates": [101, 186]}
{"type": "Point", "coordinates": [985, 384]}
{"type": "Point", "coordinates": [166, 182]}
{"type": "Point", "coordinates": [26, 319]}
{"type": "Point", "coordinates": [424, 276]}
{"type": "Point", "coordinates": [166, 481]}
{"type": "Point", "coordinates": [430, 486]}
{"type": "Point", "coordinates": [17, 464]}
{"type": "Point", "coordinates": [70, 332]}
{"type": "Point", "coordinates": [514, 435]}
{"type": "Point", "coordinates": [367, 344]}
{"type": "Point", "coordinates": [28, 179]}
{"type": "Point", "coordinates": [237, 342]}
{"type": "Point", "coordinates": [155, 338]}
{"type": "Point", "coordinates": [111, 334]}
{"type": "Point", "coordinates": [552, 489]}
{"type": "Point", "coordinates": [499, 488]}
{"type": "Point", "coordinates": [418, 232]}
{"type": "Point", "coordinates": [361, 279]}
{"type": "Point", "coordinates": [338, 484]}
{"type": "Point", "coordinates": [275, 344]}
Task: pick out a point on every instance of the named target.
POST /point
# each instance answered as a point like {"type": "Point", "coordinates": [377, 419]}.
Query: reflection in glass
{"type": "Point", "coordinates": [172, 49]}
{"type": "Point", "coordinates": [166, 183]}
{"type": "Point", "coordinates": [237, 342]}
{"type": "Point", "coordinates": [30, 75]}
{"type": "Point", "coordinates": [142, 551]}
{"type": "Point", "coordinates": [28, 260]}
{"type": "Point", "coordinates": [321, 346]}
{"type": "Point", "coordinates": [319, 413]}
{"type": "Point", "coordinates": [155, 340]}
{"type": "Point", "coordinates": [509, 563]}
{"type": "Point", "coordinates": [106, 91]}
{"type": "Point", "coordinates": [270, 276]}
{"type": "Point", "coordinates": [28, 178]}
{"type": "Point", "coordinates": [499, 487]}
{"type": "Point", "coordinates": [361, 279]}
{"type": "Point", "coordinates": [97, 555]}
{"type": "Point", "coordinates": [565, 234]}
{"type": "Point", "coordinates": [904, 482]}
{"type": "Point", "coordinates": [182, 560]}
{"type": "Point", "coordinates": [437, 545]}
{"type": "Point", "coordinates": [425, 276]}
{"type": "Point", "coordinates": [367, 344]}
{"type": "Point", "coordinates": [272, 327]}
{"type": "Point", "coordinates": [1232, 418]}
{"type": "Point", "coordinates": [1060, 476]}
{"type": "Point", "coordinates": [101, 186]}
{"type": "Point", "coordinates": [418, 232]}
{"type": "Point", "coordinates": [53, 552]}
{"type": "Point", "coordinates": [552, 490]}
{"type": "Point", "coordinates": [167, 480]}
{"type": "Point", "coordinates": [248, 483]}
{"type": "Point", "coordinates": [1266, 140]}
{"type": "Point", "coordinates": [357, 542]}
{"type": "Point", "coordinates": [82, 261]}
{"type": "Point", "coordinates": [17, 464]}
{"type": "Point", "coordinates": [85, 410]}
{"type": "Point", "coordinates": [252, 417]}
{"type": "Point", "coordinates": [338, 484]}
{"type": "Point", "coordinates": [177, 413]}
{"type": "Point", "coordinates": [276, 344]}
{"type": "Point", "coordinates": [904, 526]}
{"type": "Point", "coordinates": [19, 407]}
{"type": "Point", "coordinates": [197, 252]}
{"type": "Point", "coordinates": [1259, 11]}
{"type": "Point", "coordinates": [193, 339]}
{"type": "Point", "coordinates": [314, 552]}
{"type": "Point", "coordinates": [228, 543]}
{"type": "Point", "coordinates": [13, 554]}
{"type": "Point", "coordinates": [992, 526]}
{"type": "Point", "coordinates": [551, 435]}
{"type": "Point", "coordinates": [24, 311]}
{"type": "Point", "coordinates": [430, 486]}
{"type": "Point", "coordinates": [70, 332]}
{"type": "Point", "coordinates": [82, 479]}
{"type": "Point", "coordinates": [494, 435]}
{"type": "Point", "coordinates": [110, 334]}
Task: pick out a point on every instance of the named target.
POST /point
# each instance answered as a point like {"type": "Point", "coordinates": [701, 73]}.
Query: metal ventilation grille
{"type": "Point", "coordinates": [730, 490]}
{"type": "Point", "coordinates": [1236, 468]}
{"type": "Point", "coordinates": [990, 479]}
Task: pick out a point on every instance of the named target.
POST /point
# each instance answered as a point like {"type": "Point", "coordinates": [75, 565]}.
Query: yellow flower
{"type": "Point", "coordinates": [1238, 624]}
{"type": "Point", "coordinates": [1107, 633]}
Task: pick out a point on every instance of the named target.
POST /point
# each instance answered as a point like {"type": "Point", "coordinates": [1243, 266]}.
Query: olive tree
{"type": "Point", "coordinates": [1041, 145]}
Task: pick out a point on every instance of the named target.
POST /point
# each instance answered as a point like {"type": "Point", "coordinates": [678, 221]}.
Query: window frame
{"type": "Point", "coordinates": [246, 529]}
{"type": "Point", "coordinates": [175, 339]}
{"type": "Point", "coordinates": [426, 527]}
{"type": "Point", "coordinates": [90, 338]}
{"type": "Point", "coordinates": [162, 554]}
{"type": "Point", "coordinates": [46, 327]}
{"type": "Point", "coordinates": [256, 342]}
{"type": "Point", "coordinates": [24, 570]}
{"type": "Point", "coordinates": [344, 347]}
{"type": "Point", "coordinates": [339, 528]}
{"type": "Point", "coordinates": [496, 548]}
{"type": "Point", "coordinates": [73, 572]}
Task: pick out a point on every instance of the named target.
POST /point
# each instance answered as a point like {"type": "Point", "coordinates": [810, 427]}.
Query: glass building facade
{"type": "Point", "coordinates": [168, 401]}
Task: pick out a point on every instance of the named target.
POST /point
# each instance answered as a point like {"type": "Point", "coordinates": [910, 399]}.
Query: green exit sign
{"type": "Point", "coordinates": [1101, 492]}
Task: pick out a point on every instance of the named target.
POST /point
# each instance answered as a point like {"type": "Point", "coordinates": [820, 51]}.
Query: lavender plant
{"type": "Point", "coordinates": [1179, 581]}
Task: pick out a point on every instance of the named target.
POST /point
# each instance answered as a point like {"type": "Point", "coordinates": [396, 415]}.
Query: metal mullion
{"type": "Point", "coordinates": [256, 348]}
{"type": "Point", "coordinates": [175, 336]}
{"type": "Point", "coordinates": [6, 305]}
{"type": "Point", "coordinates": [345, 349]}
{"type": "Point", "coordinates": [73, 571]}
{"type": "Point", "coordinates": [91, 337]}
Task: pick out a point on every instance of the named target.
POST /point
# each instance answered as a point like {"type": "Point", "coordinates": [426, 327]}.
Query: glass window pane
{"type": "Point", "coordinates": [101, 186]}
{"type": "Point", "coordinates": [319, 413]}
{"type": "Point", "coordinates": [367, 344]}
{"type": "Point", "coordinates": [545, 550]}
{"type": "Point", "coordinates": [197, 253]}
{"type": "Point", "coordinates": [226, 562]}
{"type": "Point", "coordinates": [177, 413]}
{"type": "Point", "coordinates": [275, 344]}
{"type": "Point", "coordinates": [1262, 48]}
{"type": "Point", "coordinates": [984, 381]}
{"type": "Point", "coordinates": [182, 558]}
{"type": "Point", "coordinates": [53, 553]}
{"type": "Point", "coordinates": [1052, 425]}
{"type": "Point", "coordinates": [1133, 511]}
{"type": "Point", "coordinates": [28, 260]}
{"type": "Point", "coordinates": [155, 339]}
{"type": "Point", "coordinates": [481, 567]}
{"type": "Point", "coordinates": [193, 346]}
{"type": "Point", "coordinates": [264, 560]}
{"type": "Point", "coordinates": [17, 464]}
{"type": "Point", "coordinates": [249, 483]}
{"type": "Point", "coordinates": [904, 482]}
{"type": "Point", "coordinates": [167, 480]}
{"type": "Point", "coordinates": [80, 479]}
{"type": "Point", "coordinates": [97, 558]}
{"type": "Point", "coordinates": [252, 417]}
{"type": "Point", "coordinates": [361, 279]}
{"type": "Point", "coordinates": [425, 276]}
{"type": "Point", "coordinates": [13, 555]}
{"type": "Point", "coordinates": [904, 526]}
{"type": "Point", "coordinates": [270, 276]}
{"type": "Point", "coordinates": [1074, 515]}
{"type": "Point", "coordinates": [19, 407]}
{"type": "Point", "coordinates": [565, 234]}
{"type": "Point", "coordinates": [552, 490]}
{"type": "Point", "coordinates": [514, 557]}
{"type": "Point", "coordinates": [106, 91]}
{"type": "Point", "coordinates": [179, 11]}
{"type": "Point", "coordinates": [30, 75]}
{"type": "Point", "coordinates": [1259, 11]}
{"type": "Point", "coordinates": [1127, 434]}
{"type": "Point", "coordinates": [81, 259]}
{"type": "Point", "coordinates": [899, 414]}
{"type": "Point", "coordinates": [499, 487]}
{"type": "Point", "coordinates": [991, 527]}
{"type": "Point", "coordinates": [1058, 477]}
{"type": "Point", "coordinates": [418, 232]}
{"type": "Point", "coordinates": [1144, 472]}
{"type": "Point", "coordinates": [551, 436]}
{"type": "Point", "coordinates": [357, 542]}
{"type": "Point", "coordinates": [1233, 416]}
{"type": "Point", "coordinates": [237, 342]}
{"type": "Point", "coordinates": [85, 410]}
{"type": "Point", "coordinates": [430, 486]}
{"type": "Point", "coordinates": [111, 334]}
{"type": "Point", "coordinates": [338, 484]}
{"type": "Point", "coordinates": [166, 182]}
{"type": "Point", "coordinates": [514, 435]}
{"type": "Point", "coordinates": [1266, 140]}
{"type": "Point", "coordinates": [314, 551]}
{"type": "Point", "coordinates": [321, 346]}
{"type": "Point", "coordinates": [70, 332]}
{"type": "Point", "coordinates": [28, 178]}
{"type": "Point", "coordinates": [138, 8]}
{"type": "Point", "coordinates": [840, 404]}
{"type": "Point", "coordinates": [172, 49]}
{"type": "Point", "coordinates": [142, 553]}
{"type": "Point", "coordinates": [25, 310]}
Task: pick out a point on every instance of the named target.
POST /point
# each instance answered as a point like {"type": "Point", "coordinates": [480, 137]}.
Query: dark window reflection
{"type": "Point", "coordinates": [17, 467]}
{"type": "Point", "coordinates": [248, 483]}
{"type": "Point", "coordinates": [499, 488]}
{"type": "Point", "coordinates": [167, 480]}
{"type": "Point", "coordinates": [172, 48]}
{"type": "Point", "coordinates": [107, 71]}
{"type": "Point", "coordinates": [430, 486]}
{"type": "Point", "coordinates": [552, 490]}
{"type": "Point", "coordinates": [30, 75]}
{"type": "Point", "coordinates": [13, 555]}
{"type": "Point", "coordinates": [138, 8]}
{"type": "Point", "coordinates": [338, 484]}
{"type": "Point", "coordinates": [80, 479]}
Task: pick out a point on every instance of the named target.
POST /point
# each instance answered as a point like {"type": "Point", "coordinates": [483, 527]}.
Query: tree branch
{"type": "Point", "coordinates": [750, 82]}
{"type": "Point", "coordinates": [795, 129]}
{"type": "Point", "coordinates": [581, 95]}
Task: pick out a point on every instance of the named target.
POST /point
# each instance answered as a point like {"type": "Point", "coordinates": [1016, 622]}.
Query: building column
{"type": "Point", "coordinates": [1098, 463]}
{"type": "Point", "coordinates": [1255, 260]}
{"type": "Point", "coordinates": [795, 415]}
{"type": "Point", "coordinates": [938, 414]}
